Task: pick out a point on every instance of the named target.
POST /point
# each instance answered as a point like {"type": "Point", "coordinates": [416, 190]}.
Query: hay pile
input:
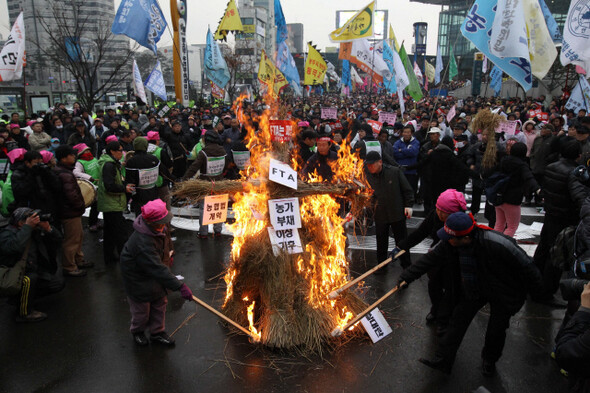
{"type": "Point", "coordinates": [487, 122]}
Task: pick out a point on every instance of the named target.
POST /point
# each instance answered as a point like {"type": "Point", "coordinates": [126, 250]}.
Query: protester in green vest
{"type": "Point", "coordinates": [112, 201]}
{"type": "Point", "coordinates": [163, 154]}
{"type": "Point", "coordinates": [87, 168]}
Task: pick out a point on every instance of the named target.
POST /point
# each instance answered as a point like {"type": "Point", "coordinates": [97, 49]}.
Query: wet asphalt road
{"type": "Point", "coordinates": [85, 345]}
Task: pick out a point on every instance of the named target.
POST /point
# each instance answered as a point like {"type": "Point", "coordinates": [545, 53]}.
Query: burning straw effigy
{"type": "Point", "coordinates": [283, 297]}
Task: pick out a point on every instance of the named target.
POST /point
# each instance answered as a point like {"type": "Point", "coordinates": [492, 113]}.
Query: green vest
{"type": "Point", "coordinates": [7, 195]}
{"type": "Point", "coordinates": [91, 168]}
{"type": "Point", "coordinates": [158, 153]}
{"type": "Point", "coordinates": [107, 201]}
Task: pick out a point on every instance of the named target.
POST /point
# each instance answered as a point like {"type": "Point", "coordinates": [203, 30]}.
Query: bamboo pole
{"type": "Point", "coordinates": [338, 331]}
{"type": "Point", "coordinates": [226, 319]}
{"type": "Point", "coordinates": [335, 293]}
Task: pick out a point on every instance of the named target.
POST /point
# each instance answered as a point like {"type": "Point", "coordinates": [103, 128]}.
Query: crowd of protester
{"type": "Point", "coordinates": [132, 157]}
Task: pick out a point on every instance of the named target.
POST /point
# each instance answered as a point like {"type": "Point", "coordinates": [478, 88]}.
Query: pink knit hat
{"type": "Point", "coordinates": [16, 155]}
{"type": "Point", "coordinates": [153, 136]}
{"type": "Point", "coordinates": [80, 147]}
{"type": "Point", "coordinates": [47, 156]}
{"type": "Point", "coordinates": [451, 201]}
{"type": "Point", "coordinates": [111, 138]}
{"type": "Point", "coordinates": [303, 124]}
{"type": "Point", "coordinates": [155, 212]}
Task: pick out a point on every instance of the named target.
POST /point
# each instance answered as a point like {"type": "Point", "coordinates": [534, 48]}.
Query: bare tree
{"type": "Point", "coordinates": [240, 68]}
{"type": "Point", "coordinates": [83, 45]}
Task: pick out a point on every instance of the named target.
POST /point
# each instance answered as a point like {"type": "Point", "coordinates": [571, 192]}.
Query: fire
{"type": "Point", "coordinates": [323, 264]}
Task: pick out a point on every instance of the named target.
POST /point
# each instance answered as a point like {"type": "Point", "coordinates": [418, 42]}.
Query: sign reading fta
{"type": "Point", "coordinates": [215, 209]}
{"type": "Point", "coordinates": [284, 213]}
{"type": "Point", "coordinates": [287, 240]}
{"type": "Point", "coordinates": [281, 130]}
{"type": "Point", "coordinates": [376, 325]}
{"type": "Point", "coordinates": [282, 173]}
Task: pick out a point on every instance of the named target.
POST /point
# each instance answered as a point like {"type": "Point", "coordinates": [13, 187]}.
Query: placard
{"type": "Point", "coordinates": [282, 173]}
{"type": "Point", "coordinates": [376, 126]}
{"type": "Point", "coordinates": [388, 117]}
{"type": "Point", "coordinates": [148, 177]}
{"type": "Point", "coordinates": [241, 159]}
{"type": "Point", "coordinates": [451, 114]}
{"type": "Point", "coordinates": [215, 209]}
{"type": "Point", "coordinates": [329, 113]}
{"type": "Point", "coordinates": [535, 113]}
{"type": "Point", "coordinates": [164, 111]}
{"type": "Point", "coordinates": [287, 240]}
{"type": "Point", "coordinates": [281, 130]}
{"type": "Point", "coordinates": [508, 127]}
{"type": "Point", "coordinates": [373, 146]}
{"type": "Point", "coordinates": [284, 213]}
{"type": "Point", "coordinates": [215, 165]}
{"type": "Point", "coordinates": [376, 325]}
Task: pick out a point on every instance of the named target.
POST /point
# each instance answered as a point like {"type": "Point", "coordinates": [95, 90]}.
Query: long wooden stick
{"type": "Point", "coordinates": [335, 293]}
{"type": "Point", "coordinates": [338, 331]}
{"type": "Point", "coordinates": [226, 319]}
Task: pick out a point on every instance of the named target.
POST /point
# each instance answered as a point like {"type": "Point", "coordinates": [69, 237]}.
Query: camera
{"type": "Point", "coordinates": [42, 216]}
{"type": "Point", "coordinates": [571, 289]}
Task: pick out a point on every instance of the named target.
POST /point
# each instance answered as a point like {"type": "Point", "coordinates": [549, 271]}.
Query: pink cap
{"type": "Point", "coordinates": [303, 124]}
{"type": "Point", "coordinates": [16, 155]}
{"type": "Point", "coordinates": [111, 138]}
{"type": "Point", "coordinates": [80, 147]}
{"type": "Point", "coordinates": [203, 131]}
{"type": "Point", "coordinates": [153, 136]}
{"type": "Point", "coordinates": [451, 201]}
{"type": "Point", "coordinates": [47, 156]}
{"type": "Point", "coordinates": [31, 122]}
{"type": "Point", "coordinates": [12, 125]}
{"type": "Point", "coordinates": [155, 212]}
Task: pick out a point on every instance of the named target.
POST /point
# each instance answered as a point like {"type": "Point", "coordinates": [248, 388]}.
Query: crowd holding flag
{"type": "Point", "coordinates": [155, 82]}
{"type": "Point", "coordinates": [315, 67]}
{"type": "Point", "coordinates": [14, 52]}
{"type": "Point", "coordinates": [439, 66]}
{"type": "Point", "coordinates": [270, 76]}
{"type": "Point", "coordinates": [230, 21]}
{"type": "Point", "coordinates": [359, 26]}
{"type": "Point", "coordinates": [140, 20]}
{"type": "Point", "coordinates": [453, 71]}
{"type": "Point", "coordinates": [413, 89]}
{"type": "Point", "coordinates": [138, 84]}
{"type": "Point", "coordinates": [215, 66]}
{"type": "Point", "coordinates": [390, 83]}
{"type": "Point", "coordinates": [580, 98]}
{"type": "Point", "coordinates": [282, 32]}
{"type": "Point", "coordinates": [496, 79]}
{"type": "Point", "coordinates": [418, 74]}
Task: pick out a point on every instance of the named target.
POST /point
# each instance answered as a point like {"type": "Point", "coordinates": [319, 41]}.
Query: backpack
{"type": "Point", "coordinates": [495, 186]}
{"type": "Point", "coordinates": [562, 253]}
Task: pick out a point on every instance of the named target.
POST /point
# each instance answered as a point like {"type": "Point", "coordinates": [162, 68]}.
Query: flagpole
{"type": "Point", "coordinates": [372, 70]}
{"type": "Point", "coordinates": [25, 93]}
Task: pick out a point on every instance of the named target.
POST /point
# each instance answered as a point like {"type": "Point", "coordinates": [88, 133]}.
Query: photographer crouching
{"type": "Point", "coordinates": [573, 341]}
{"type": "Point", "coordinates": [24, 239]}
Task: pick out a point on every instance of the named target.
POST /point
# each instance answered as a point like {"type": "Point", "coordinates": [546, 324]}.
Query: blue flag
{"type": "Point", "coordinates": [140, 20]}
{"type": "Point", "coordinates": [439, 66]}
{"type": "Point", "coordinates": [390, 84]}
{"type": "Point", "coordinates": [215, 66]}
{"type": "Point", "coordinates": [477, 29]}
{"type": "Point", "coordinates": [496, 79]}
{"type": "Point", "coordinates": [282, 33]}
{"type": "Point", "coordinates": [286, 64]}
{"type": "Point", "coordinates": [346, 79]}
{"type": "Point", "coordinates": [155, 82]}
{"type": "Point", "coordinates": [551, 23]}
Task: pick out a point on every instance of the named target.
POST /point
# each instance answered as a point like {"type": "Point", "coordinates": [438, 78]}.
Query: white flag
{"type": "Point", "coordinates": [355, 76]}
{"type": "Point", "coordinates": [509, 36]}
{"type": "Point", "coordinates": [541, 47]}
{"type": "Point", "coordinates": [484, 65]}
{"type": "Point", "coordinates": [370, 56]}
{"type": "Point", "coordinates": [439, 66]}
{"type": "Point", "coordinates": [580, 98]}
{"type": "Point", "coordinates": [12, 57]}
{"type": "Point", "coordinates": [451, 114]}
{"type": "Point", "coordinates": [138, 83]}
{"type": "Point", "coordinates": [418, 73]}
{"type": "Point", "coordinates": [576, 35]}
{"type": "Point", "coordinates": [401, 79]}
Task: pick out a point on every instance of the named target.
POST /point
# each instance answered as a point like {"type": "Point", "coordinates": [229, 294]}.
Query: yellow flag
{"type": "Point", "coordinates": [359, 26]}
{"type": "Point", "coordinates": [392, 39]}
{"type": "Point", "coordinates": [315, 67]}
{"type": "Point", "coordinates": [230, 22]}
{"type": "Point", "coordinates": [430, 72]}
{"type": "Point", "coordinates": [541, 47]}
{"type": "Point", "coordinates": [270, 75]}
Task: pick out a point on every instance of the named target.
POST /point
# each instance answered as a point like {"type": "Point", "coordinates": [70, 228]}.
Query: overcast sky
{"type": "Point", "coordinates": [317, 16]}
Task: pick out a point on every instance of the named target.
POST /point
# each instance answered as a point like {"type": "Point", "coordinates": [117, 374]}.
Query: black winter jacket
{"type": "Point", "coordinates": [558, 201]}
{"type": "Point", "coordinates": [37, 188]}
{"type": "Point", "coordinates": [521, 180]}
{"type": "Point", "coordinates": [572, 351]}
{"type": "Point", "coordinates": [211, 149]}
{"type": "Point", "coordinates": [141, 160]}
{"type": "Point", "coordinates": [145, 277]}
{"type": "Point", "coordinates": [445, 171]}
{"type": "Point", "coordinates": [505, 273]}
{"type": "Point", "coordinates": [393, 193]}
{"type": "Point", "coordinates": [70, 202]}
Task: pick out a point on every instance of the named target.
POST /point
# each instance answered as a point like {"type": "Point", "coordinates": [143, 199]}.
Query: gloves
{"type": "Point", "coordinates": [394, 252]}
{"type": "Point", "coordinates": [408, 212]}
{"type": "Point", "coordinates": [186, 292]}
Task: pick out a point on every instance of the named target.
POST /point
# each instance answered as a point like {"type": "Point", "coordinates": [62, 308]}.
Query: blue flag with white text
{"type": "Point", "coordinates": [282, 32]}
{"type": "Point", "coordinates": [551, 23]}
{"type": "Point", "coordinates": [286, 64]}
{"type": "Point", "coordinates": [477, 29]}
{"type": "Point", "coordinates": [140, 20]}
{"type": "Point", "coordinates": [390, 84]}
{"type": "Point", "coordinates": [155, 82]}
{"type": "Point", "coordinates": [496, 79]}
{"type": "Point", "coordinates": [346, 79]}
{"type": "Point", "coordinates": [215, 66]}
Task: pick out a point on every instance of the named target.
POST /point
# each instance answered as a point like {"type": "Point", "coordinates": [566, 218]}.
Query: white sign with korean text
{"type": "Point", "coordinates": [507, 127]}
{"type": "Point", "coordinates": [376, 325]}
{"type": "Point", "coordinates": [387, 117]}
{"type": "Point", "coordinates": [287, 240]}
{"type": "Point", "coordinates": [282, 173]}
{"type": "Point", "coordinates": [284, 213]}
{"type": "Point", "coordinates": [373, 146]}
{"type": "Point", "coordinates": [215, 166]}
{"type": "Point", "coordinates": [329, 113]}
{"type": "Point", "coordinates": [215, 209]}
{"type": "Point", "coordinates": [241, 159]}
{"type": "Point", "coordinates": [148, 177]}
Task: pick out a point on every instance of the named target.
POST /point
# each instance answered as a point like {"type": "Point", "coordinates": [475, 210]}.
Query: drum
{"type": "Point", "coordinates": [88, 191]}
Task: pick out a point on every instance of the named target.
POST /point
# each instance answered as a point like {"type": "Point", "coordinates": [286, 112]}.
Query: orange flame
{"type": "Point", "coordinates": [255, 333]}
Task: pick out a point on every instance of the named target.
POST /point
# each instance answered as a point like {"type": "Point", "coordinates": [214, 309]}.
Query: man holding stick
{"type": "Point", "coordinates": [494, 270]}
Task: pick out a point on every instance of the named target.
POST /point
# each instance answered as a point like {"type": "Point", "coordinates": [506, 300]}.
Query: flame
{"type": "Point", "coordinates": [323, 264]}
